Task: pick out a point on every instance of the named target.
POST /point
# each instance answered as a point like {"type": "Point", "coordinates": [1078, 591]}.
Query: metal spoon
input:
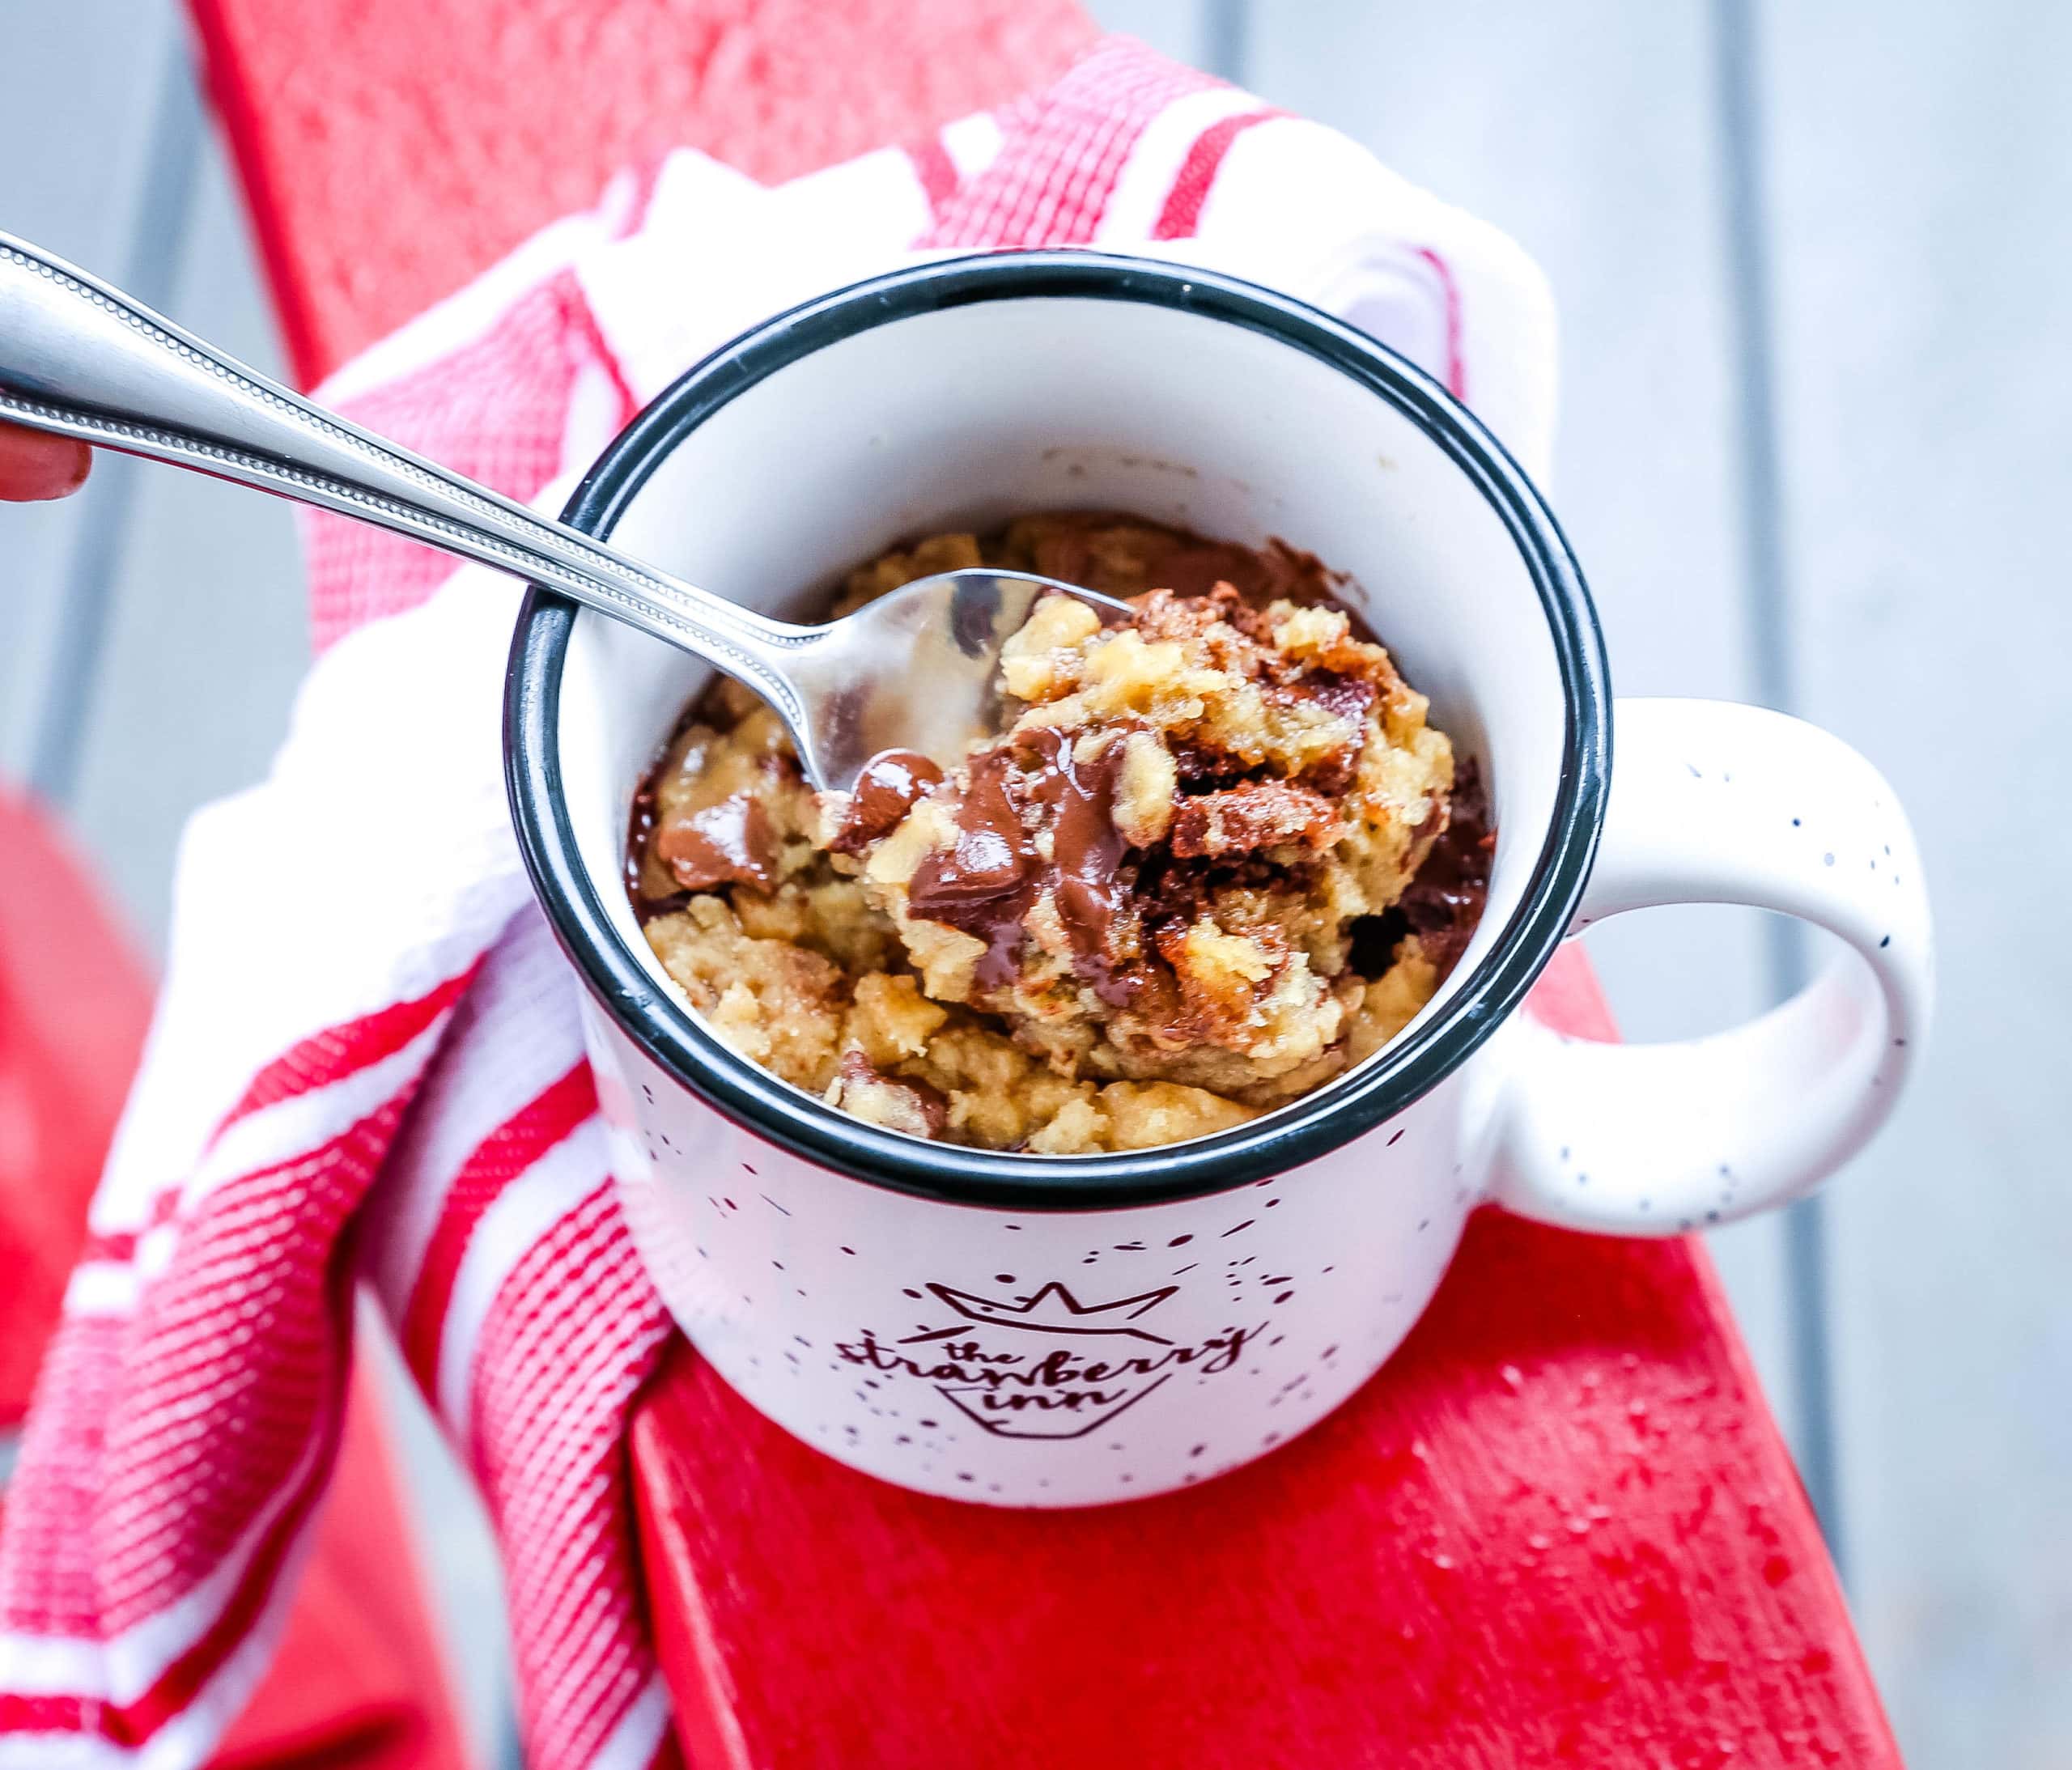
{"type": "Point", "coordinates": [914, 670]}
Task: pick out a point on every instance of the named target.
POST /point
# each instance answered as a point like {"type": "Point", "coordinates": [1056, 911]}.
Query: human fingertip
{"type": "Point", "coordinates": [34, 467]}
{"type": "Point", "coordinates": [75, 471]}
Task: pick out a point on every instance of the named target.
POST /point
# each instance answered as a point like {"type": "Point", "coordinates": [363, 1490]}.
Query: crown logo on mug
{"type": "Point", "coordinates": [1054, 1309]}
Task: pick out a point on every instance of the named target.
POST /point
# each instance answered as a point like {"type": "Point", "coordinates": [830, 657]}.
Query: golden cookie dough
{"type": "Point", "coordinates": [1179, 890]}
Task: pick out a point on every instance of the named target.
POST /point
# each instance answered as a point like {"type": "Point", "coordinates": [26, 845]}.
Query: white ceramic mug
{"type": "Point", "coordinates": [1065, 1331]}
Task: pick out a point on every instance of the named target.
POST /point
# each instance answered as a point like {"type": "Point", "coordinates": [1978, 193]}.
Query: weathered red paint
{"type": "Point", "coordinates": [1560, 1527]}
{"type": "Point", "coordinates": [390, 149]}
{"type": "Point", "coordinates": [360, 1679]}
{"type": "Point", "coordinates": [74, 1007]}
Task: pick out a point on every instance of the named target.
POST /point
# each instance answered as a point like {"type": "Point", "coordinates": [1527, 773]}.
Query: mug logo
{"type": "Point", "coordinates": [1054, 1309]}
{"type": "Point", "coordinates": [982, 1367]}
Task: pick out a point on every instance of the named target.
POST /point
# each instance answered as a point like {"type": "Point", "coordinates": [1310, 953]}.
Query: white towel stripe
{"type": "Point", "coordinates": [524, 1212]}
{"type": "Point", "coordinates": [1154, 162]}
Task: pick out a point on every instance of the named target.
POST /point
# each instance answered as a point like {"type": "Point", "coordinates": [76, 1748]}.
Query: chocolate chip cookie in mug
{"type": "Point", "coordinates": [1214, 859]}
{"type": "Point", "coordinates": [1004, 1324]}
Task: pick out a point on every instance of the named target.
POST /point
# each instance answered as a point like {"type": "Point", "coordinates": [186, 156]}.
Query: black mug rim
{"type": "Point", "coordinates": [1301, 1131]}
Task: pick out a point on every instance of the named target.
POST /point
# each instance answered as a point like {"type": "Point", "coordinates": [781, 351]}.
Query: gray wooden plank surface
{"type": "Point", "coordinates": [1180, 28]}
{"type": "Point", "coordinates": [1587, 131]}
{"type": "Point", "coordinates": [456, 1549]}
{"type": "Point", "coordinates": [79, 197]}
{"type": "Point", "coordinates": [208, 635]}
{"type": "Point", "coordinates": [1920, 165]}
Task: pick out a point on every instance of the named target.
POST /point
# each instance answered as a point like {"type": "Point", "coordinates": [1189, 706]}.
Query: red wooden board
{"type": "Point", "coordinates": [359, 1683]}
{"type": "Point", "coordinates": [74, 1007]}
{"type": "Point", "coordinates": [390, 149]}
{"type": "Point", "coordinates": [1561, 1525]}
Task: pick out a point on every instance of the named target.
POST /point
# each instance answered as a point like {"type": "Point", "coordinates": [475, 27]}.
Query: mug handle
{"type": "Point", "coordinates": [1715, 803]}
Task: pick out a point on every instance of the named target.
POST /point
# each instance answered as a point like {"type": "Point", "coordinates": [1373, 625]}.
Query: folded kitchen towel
{"type": "Point", "coordinates": [365, 1064]}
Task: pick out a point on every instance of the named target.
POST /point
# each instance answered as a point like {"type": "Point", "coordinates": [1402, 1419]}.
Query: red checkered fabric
{"type": "Point", "coordinates": [1065, 148]}
{"type": "Point", "coordinates": [368, 1066]}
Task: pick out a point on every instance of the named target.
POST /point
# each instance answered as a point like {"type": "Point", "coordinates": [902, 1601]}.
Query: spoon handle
{"type": "Point", "coordinates": [81, 358]}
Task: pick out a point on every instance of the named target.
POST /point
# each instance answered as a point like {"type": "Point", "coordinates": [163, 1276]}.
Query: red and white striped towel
{"type": "Point", "coordinates": [366, 1064]}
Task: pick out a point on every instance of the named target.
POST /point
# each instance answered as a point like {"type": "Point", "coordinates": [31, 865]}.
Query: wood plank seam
{"type": "Point", "coordinates": [1766, 588]}
{"type": "Point", "coordinates": [1226, 39]}
{"type": "Point", "coordinates": [150, 271]}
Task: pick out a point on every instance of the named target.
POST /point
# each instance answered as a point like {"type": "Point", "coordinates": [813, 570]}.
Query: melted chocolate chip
{"type": "Point", "coordinates": [1344, 697]}
{"type": "Point", "coordinates": [1274, 573]}
{"type": "Point", "coordinates": [1373, 942]}
{"type": "Point", "coordinates": [1196, 571]}
{"type": "Point", "coordinates": [1347, 699]}
{"type": "Point", "coordinates": [1205, 768]}
{"type": "Point", "coordinates": [639, 831]}
{"type": "Point", "coordinates": [728, 843]}
{"type": "Point", "coordinates": [885, 792]}
{"type": "Point", "coordinates": [991, 861]}
{"type": "Point", "coordinates": [1332, 775]}
{"type": "Point", "coordinates": [918, 1108]}
{"type": "Point", "coordinates": [639, 828]}
{"type": "Point", "coordinates": [1445, 901]}
{"type": "Point", "coordinates": [1259, 814]}
{"type": "Point", "coordinates": [988, 881]}
{"type": "Point", "coordinates": [1169, 890]}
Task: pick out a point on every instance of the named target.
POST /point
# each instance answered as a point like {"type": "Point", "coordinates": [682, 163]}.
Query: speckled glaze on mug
{"type": "Point", "coordinates": [1067, 1330]}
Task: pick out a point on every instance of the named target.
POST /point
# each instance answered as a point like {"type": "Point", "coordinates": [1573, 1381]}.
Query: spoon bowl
{"type": "Point", "coordinates": [916, 669]}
